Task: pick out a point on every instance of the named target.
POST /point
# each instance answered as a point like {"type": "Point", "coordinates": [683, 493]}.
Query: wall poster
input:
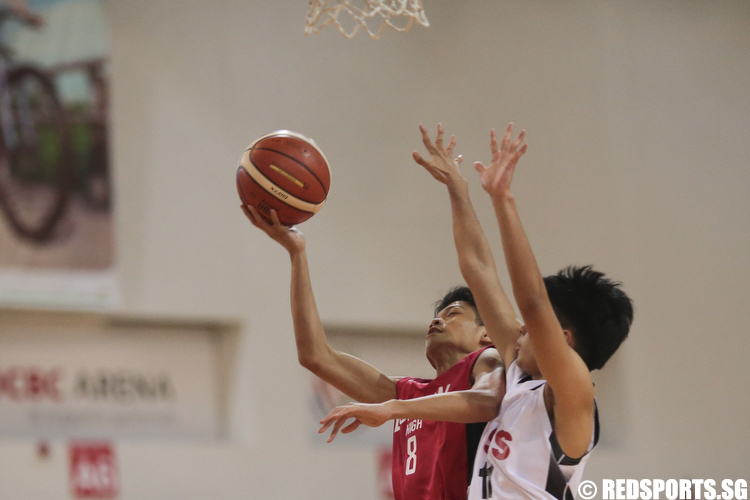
{"type": "Point", "coordinates": [56, 232]}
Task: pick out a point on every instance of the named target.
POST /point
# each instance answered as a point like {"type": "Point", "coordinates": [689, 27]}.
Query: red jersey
{"type": "Point", "coordinates": [430, 459]}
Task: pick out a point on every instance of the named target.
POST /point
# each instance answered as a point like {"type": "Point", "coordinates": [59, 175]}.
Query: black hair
{"type": "Point", "coordinates": [594, 309]}
{"type": "Point", "coordinates": [458, 293]}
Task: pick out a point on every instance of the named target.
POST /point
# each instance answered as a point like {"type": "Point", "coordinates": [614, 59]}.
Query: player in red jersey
{"type": "Point", "coordinates": [434, 459]}
{"type": "Point", "coordinates": [431, 459]}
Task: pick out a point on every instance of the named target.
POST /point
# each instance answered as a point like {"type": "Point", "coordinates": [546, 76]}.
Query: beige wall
{"type": "Point", "coordinates": [638, 115]}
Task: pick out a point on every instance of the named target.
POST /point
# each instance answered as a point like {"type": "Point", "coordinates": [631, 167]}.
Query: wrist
{"type": "Point", "coordinates": [502, 197]}
{"type": "Point", "coordinates": [392, 408]}
{"type": "Point", "coordinates": [457, 185]}
{"type": "Point", "coordinates": [296, 252]}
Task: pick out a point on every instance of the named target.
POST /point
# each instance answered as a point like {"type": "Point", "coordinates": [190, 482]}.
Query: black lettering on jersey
{"type": "Point", "coordinates": [486, 474]}
{"type": "Point", "coordinates": [473, 438]}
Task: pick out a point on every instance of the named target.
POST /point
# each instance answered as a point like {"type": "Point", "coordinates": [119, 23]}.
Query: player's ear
{"type": "Point", "coordinates": [570, 338]}
{"type": "Point", "coordinates": [522, 328]}
{"type": "Point", "coordinates": [484, 340]}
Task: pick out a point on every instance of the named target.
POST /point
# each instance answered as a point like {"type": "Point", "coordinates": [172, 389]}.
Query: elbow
{"type": "Point", "coordinates": [491, 411]}
{"type": "Point", "coordinates": [306, 361]}
{"type": "Point", "coordinates": [490, 405]}
{"type": "Point", "coordinates": [315, 359]}
{"type": "Point", "coordinates": [310, 361]}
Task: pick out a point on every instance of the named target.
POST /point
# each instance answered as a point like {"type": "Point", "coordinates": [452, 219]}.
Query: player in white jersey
{"type": "Point", "coordinates": [502, 471]}
{"type": "Point", "coordinates": [575, 320]}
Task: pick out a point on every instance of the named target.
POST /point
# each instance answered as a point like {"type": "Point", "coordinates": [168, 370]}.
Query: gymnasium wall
{"type": "Point", "coordinates": [638, 116]}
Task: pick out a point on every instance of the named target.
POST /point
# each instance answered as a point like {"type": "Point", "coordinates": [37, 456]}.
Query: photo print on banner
{"type": "Point", "coordinates": [56, 232]}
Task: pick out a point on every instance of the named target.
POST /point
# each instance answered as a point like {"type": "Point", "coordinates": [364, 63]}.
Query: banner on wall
{"type": "Point", "coordinates": [56, 233]}
{"type": "Point", "coordinates": [121, 384]}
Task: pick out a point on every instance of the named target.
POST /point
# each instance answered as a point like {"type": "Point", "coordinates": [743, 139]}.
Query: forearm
{"type": "Point", "coordinates": [526, 279]}
{"type": "Point", "coordinates": [349, 374]}
{"type": "Point", "coordinates": [565, 371]}
{"type": "Point", "coordinates": [462, 407]}
{"type": "Point", "coordinates": [545, 333]}
{"type": "Point", "coordinates": [478, 268]}
{"type": "Point", "coordinates": [471, 244]}
{"type": "Point", "coordinates": [308, 329]}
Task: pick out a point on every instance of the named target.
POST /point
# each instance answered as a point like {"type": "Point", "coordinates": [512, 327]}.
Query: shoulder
{"type": "Point", "coordinates": [487, 361]}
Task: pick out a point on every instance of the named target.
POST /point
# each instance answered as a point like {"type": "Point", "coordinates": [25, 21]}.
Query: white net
{"type": "Point", "coordinates": [373, 16]}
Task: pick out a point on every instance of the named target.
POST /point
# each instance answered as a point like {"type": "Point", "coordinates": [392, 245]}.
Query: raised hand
{"type": "Point", "coordinates": [371, 415]}
{"type": "Point", "coordinates": [497, 177]}
{"type": "Point", "coordinates": [441, 164]}
{"type": "Point", "coordinates": [289, 237]}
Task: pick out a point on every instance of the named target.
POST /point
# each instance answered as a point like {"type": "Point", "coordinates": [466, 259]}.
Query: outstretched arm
{"type": "Point", "coordinates": [481, 403]}
{"type": "Point", "coordinates": [352, 376]}
{"type": "Point", "coordinates": [474, 254]}
{"type": "Point", "coordinates": [566, 373]}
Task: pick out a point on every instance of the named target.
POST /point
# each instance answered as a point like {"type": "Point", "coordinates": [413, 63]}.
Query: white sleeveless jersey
{"type": "Point", "coordinates": [518, 456]}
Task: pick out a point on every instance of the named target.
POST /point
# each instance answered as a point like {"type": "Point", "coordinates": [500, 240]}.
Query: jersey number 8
{"type": "Point", "coordinates": [411, 451]}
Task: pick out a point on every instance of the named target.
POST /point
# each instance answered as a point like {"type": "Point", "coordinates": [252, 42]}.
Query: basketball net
{"type": "Point", "coordinates": [398, 14]}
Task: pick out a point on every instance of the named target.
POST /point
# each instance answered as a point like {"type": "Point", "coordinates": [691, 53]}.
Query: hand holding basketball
{"type": "Point", "coordinates": [286, 172]}
{"type": "Point", "coordinates": [288, 237]}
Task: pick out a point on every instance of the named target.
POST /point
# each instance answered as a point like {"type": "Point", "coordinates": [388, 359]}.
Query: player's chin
{"type": "Point", "coordinates": [432, 344]}
{"type": "Point", "coordinates": [527, 364]}
{"type": "Point", "coordinates": [433, 339]}
{"type": "Point", "coordinates": [428, 344]}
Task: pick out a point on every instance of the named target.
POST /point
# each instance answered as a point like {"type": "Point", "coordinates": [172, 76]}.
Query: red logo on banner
{"type": "Point", "coordinates": [93, 470]}
{"type": "Point", "coordinates": [29, 383]}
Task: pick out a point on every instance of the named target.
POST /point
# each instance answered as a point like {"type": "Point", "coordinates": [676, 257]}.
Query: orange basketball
{"type": "Point", "coordinates": [284, 171]}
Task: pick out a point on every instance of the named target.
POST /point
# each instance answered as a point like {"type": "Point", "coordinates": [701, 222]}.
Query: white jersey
{"type": "Point", "coordinates": [519, 456]}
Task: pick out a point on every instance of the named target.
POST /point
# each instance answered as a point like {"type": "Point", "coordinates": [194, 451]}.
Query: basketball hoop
{"type": "Point", "coordinates": [398, 14]}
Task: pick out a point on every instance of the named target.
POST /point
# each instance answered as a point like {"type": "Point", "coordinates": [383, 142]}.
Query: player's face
{"type": "Point", "coordinates": [526, 359]}
{"type": "Point", "coordinates": [456, 325]}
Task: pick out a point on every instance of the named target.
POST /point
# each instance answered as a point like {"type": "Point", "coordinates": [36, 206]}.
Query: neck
{"type": "Point", "coordinates": [445, 359]}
